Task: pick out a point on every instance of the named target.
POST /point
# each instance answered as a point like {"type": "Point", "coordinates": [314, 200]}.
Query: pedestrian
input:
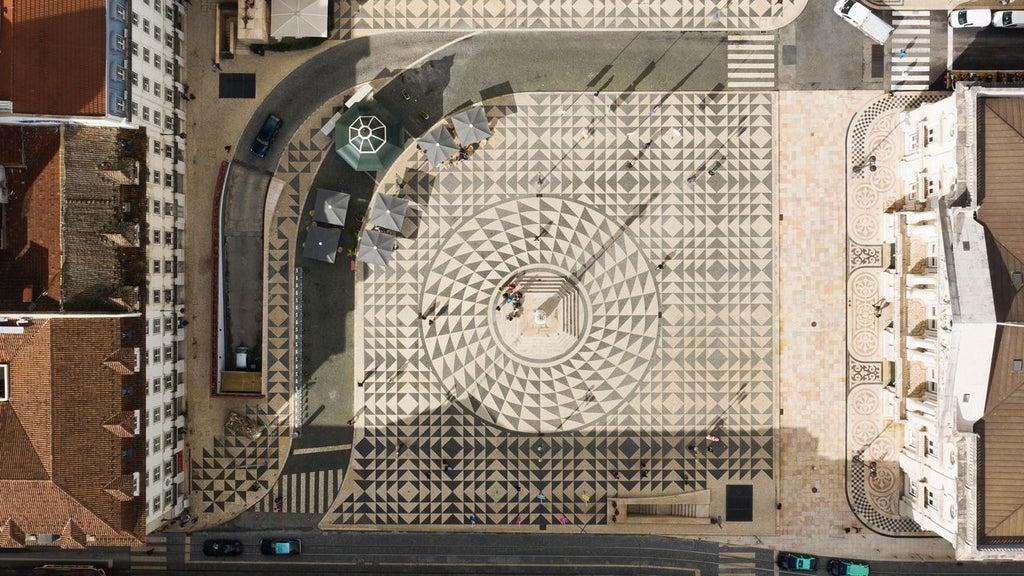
{"type": "Point", "coordinates": [191, 97]}
{"type": "Point", "coordinates": [692, 448]}
{"type": "Point", "coordinates": [214, 65]}
{"type": "Point", "coordinates": [615, 474]}
{"type": "Point", "coordinates": [647, 145]}
{"type": "Point", "coordinates": [519, 519]}
{"type": "Point", "coordinates": [660, 266]}
{"type": "Point", "coordinates": [903, 52]}
{"type": "Point", "coordinates": [227, 148]}
{"type": "Point", "coordinates": [150, 551]}
{"type": "Point", "coordinates": [541, 497]}
{"type": "Point", "coordinates": [519, 488]}
{"type": "Point", "coordinates": [509, 317]}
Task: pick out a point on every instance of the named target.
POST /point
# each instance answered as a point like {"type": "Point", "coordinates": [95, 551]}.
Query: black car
{"type": "Point", "coordinates": [283, 547]}
{"type": "Point", "coordinates": [222, 547]}
{"type": "Point", "coordinates": [266, 135]}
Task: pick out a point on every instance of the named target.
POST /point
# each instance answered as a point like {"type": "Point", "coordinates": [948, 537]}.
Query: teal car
{"type": "Point", "coordinates": [797, 562]}
{"type": "Point", "coordinates": [838, 567]}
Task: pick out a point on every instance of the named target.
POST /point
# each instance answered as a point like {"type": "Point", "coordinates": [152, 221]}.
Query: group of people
{"type": "Point", "coordinates": [515, 298]}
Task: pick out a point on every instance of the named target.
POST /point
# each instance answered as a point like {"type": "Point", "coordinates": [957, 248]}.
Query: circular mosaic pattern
{"type": "Point", "coordinates": [865, 343]}
{"type": "Point", "coordinates": [881, 449]}
{"type": "Point", "coordinates": [865, 196]}
{"type": "Point", "coordinates": [864, 400]}
{"type": "Point", "coordinates": [584, 272]}
{"type": "Point", "coordinates": [864, 431]}
{"type": "Point", "coordinates": [865, 227]}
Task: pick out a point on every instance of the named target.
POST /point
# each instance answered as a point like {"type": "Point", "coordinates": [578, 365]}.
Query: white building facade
{"type": "Point", "coordinates": [157, 104]}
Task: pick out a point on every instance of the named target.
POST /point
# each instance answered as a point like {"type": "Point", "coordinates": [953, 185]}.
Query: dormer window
{"type": "Point", "coordinates": [4, 379]}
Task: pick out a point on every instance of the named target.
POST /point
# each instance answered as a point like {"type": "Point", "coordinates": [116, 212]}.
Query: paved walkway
{"type": "Point", "coordinates": [375, 16]}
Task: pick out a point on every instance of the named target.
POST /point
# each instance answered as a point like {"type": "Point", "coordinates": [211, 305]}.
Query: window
{"type": "Point", "coordinates": [135, 18]}
{"type": "Point", "coordinates": [135, 48]}
{"type": "Point", "coordinates": [168, 209]}
{"type": "Point", "coordinates": [168, 179]}
{"type": "Point", "coordinates": [120, 12]}
{"type": "Point", "coordinates": [120, 104]}
{"type": "Point", "coordinates": [156, 296]}
{"type": "Point", "coordinates": [169, 67]}
{"type": "Point", "coordinates": [1018, 364]}
{"type": "Point", "coordinates": [167, 498]}
{"type": "Point", "coordinates": [168, 152]}
{"type": "Point", "coordinates": [168, 384]}
{"type": "Point", "coordinates": [933, 255]}
{"type": "Point", "coordinates": [931, 499]}
{"type": "Point", "coordinates": [156, 356]}
{"type": "Point", "coordinates": [912, 488]}
{"type": "Point", "coordinates": [169, 41]}
{"type": "Point", "coordinates": [168, 237]}
{"type": "Point", "coordinates": [156, 474]}
{"type": "Point", "coordinates": [156, 325]}
{"type": "Point", "coordinates": [135, 82]}
{"type": "Point", "coordinates": [5, 372]}
{"type": "Point", "coordinates": [167, 358]}
{"type": "Point", "coordinates": [156, 445]}
{"type": "Point", "coordinates": [120, 42]}
{"type": "Point", "coordinates": [168, 123]}
{"type": "Point", "coordinates": [145, 112]}
{"type": "Point", "coordinates": [156, 385]}
{"type": "Point", "coordinates": [156, 147]}
{"type": "Point", "coordinates": [169, 294]}
{"type": "Point", "coordinates": [156, 113]}
{"type": "Point", "coordinates": [156, 504]}
{"type": "Point", "coordinates": [157, 61]}
{"type": "Point", "coordinates": [156, 270]}
{"type": "Point", "coordinates": [145, 55]}
{"type": "Point", "coordinates": [929, 447]}
{"type": "Point", "coordinates": [169, 468]}
{"type": "Point", "coordinates": [156, 92]}
{"type": "Point", "coordinates": [169, 12]}
{"type": "Point", "coordinates": [168, 439]}
{"type": "Point", "coordinates": [145, 86]}
{"type": "Point", "coordinates": [156, 206]}
{"type": "Point", "coordinates": [145, 25]}
{"type": "Point", "coordinates": [135, 105]}
{"type": "Point", "coordinates": [156, 5]}
{"type": "Point", "coordinates": [168, 324]}
{"type": "Point", "coordinates": [156, 178]}
{"type": "Point", "coordinates": [156, 414]}
{"type": "Point", "coordinates": [156, 33]}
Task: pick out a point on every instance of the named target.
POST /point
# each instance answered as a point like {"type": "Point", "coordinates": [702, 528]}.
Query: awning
{"type": "Point", "coordinates": [322, 243]}
{"type": "Point", "coordinates": [331, 207]}
{"type": "Point", "coordinates": [471, 125]}
{"type": "Point", "coordinates": [368, 136]}
{"type": "Point", "coordinates": [298, 19]}
{"type": "Point", "coordinates": [438, 144]}
{"type": "Point", "coordinates": [375, 247]}
{"type": "Point", "coordinates": [389, 212]}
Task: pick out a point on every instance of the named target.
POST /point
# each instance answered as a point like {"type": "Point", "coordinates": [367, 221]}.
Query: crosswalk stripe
{"type": "Point", "coordinates": [751, 61]}
{"type": "Point", "coordinates": [303, 493]}
{"type": "Point", "coordinates": [910, 52]}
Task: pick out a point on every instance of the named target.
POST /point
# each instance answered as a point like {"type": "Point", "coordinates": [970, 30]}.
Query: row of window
{"type": "Point", "coordinates": [167, 149]}
{"type": "Point", "coordinates": [168, 180]}
{"type": "Point", "coordinates": [166, 237]}
{"type": "Point", "coordinates": [168, 500]}
{"type": "Point", "coordinates": [168, 381]}
{"type": "Point", "coordinates": [168, 207]}
{"type": "Point", "coordinates": [167, 296]}
{"type": "Point", "coordinates": [168, 441]}
{"type": "Point", "coordinates": [167, 470]}
{"type": "Point", "coordinates": [168, 412]}
{"type": "Point", "coordinates": [168, 119]}
{"type": "Point", "coordinates": [169, 352]}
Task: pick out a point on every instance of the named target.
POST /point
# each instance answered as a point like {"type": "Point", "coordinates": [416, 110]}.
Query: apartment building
{"type": "Point", "coordinates": [118, 63]}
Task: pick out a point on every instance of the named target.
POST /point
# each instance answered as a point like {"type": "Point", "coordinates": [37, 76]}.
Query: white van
{"type": "Point", "coordinates": [864, 20]}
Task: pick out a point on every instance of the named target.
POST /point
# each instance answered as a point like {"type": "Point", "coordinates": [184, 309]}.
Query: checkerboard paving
{"type": "Point", "coordinates": [592, 194]}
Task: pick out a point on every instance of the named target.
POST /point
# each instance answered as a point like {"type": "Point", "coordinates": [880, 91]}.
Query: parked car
{"type": "Point", "coordinates": [265, 136]}
{"type": "Point", "coordinates": [973, 18]}
{"type": "Point", "coordinates": [285, 547]}
{"type": "Point", "coordinates": [222, 547]}
{"type": "Point", "coordinates": [839, 567]}
{"type": "Point", "coordinates": [797, 562]}
{"type": "Point", "coordinates": [1008, 19]}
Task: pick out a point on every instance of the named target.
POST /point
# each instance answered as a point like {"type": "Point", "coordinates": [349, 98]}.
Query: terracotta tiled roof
{"type": "Point", "coordinates": [11, 535]}
{"type": "Point", "coordinates": [61, 217]}
{"type": "Point", "coordinates": [64, 444]}
{"type": "Point", "coordinates": [53, 56]}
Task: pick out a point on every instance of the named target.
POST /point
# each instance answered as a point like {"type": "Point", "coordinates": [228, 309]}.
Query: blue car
{"type": "Point", "coordinates": [266, 136]}
{"type": "Point", "coordinates": [283, 547]}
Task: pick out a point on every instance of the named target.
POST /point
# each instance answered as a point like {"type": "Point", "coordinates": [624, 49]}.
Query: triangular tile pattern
{"type": "Point", "coordinates": [368, 16]}
{"type": "Point", "coordinates": [451, 422]}
{"type": "Point", "coordinates": [224, 476]}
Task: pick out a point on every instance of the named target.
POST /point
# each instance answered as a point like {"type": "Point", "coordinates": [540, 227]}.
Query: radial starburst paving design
{"type": "Point", "coordinates": [571, 262]}
{"type": "Point", "coordinates": [611, 363]}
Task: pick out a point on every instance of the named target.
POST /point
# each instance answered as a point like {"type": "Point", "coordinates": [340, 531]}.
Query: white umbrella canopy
{"type": "Point", "coordinates": [438, 144]}
{"type": "Point", "coordinates": [298, 19]}
{"type": "Point", "coordinates": [471, 125]}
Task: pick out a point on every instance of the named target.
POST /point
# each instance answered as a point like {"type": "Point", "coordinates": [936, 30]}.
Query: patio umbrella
{"type": "Point", "coordinates": [438, 144]}
{"type": "Point", "coordinates": [389, 212]}
{"type": "Point", "coordinates": [298, 19]}
{"type": "Point", "coordinates": [471, 125]}
{"type": "Point", "coordinates": [331, 207]}
{"type": "Point", "coordinates": [322, 243]}
{"type": "Point", "coordinates": [375, 247]}
{"type": "Point", "coordinates": [368, 136]}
